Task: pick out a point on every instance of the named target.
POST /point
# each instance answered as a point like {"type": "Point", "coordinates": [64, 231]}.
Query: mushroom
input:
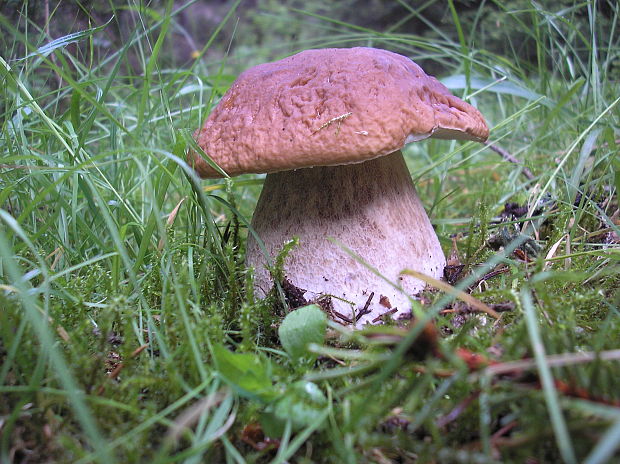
{"type": "Point", "coordinates": [327, 127]}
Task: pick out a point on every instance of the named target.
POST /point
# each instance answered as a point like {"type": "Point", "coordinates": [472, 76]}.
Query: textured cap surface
{"type": "Point", "coordinates": [328, 107]}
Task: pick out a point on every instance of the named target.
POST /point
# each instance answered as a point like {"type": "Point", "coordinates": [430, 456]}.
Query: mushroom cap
{"type": "Point", "coordinates": [329, 107]}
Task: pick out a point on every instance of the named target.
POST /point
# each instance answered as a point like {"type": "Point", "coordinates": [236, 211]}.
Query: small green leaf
{"type": "Point", "coordinates": [303, 404]}
{"type": "Point", "coordinates": [300, 328]}
{"type": "Point", "coordinates": [271, 424]}
{"type": "Point", "coordinates": [247, 373]}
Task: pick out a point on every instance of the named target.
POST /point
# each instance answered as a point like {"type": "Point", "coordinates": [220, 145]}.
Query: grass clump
{"type": "Point", "coordinates": [129, 331]}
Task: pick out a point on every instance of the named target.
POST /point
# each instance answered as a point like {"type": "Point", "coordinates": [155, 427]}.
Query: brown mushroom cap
{"type": "Point", "coordinates": [329, 107]}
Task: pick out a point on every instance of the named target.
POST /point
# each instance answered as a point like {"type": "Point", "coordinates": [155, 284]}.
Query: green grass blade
{"type": "Point", "coordinates": [560, 428]}
{"type": "Point", "coordinates": [76, 397]}
{"type": "Point", "coordinates": [606, 447]}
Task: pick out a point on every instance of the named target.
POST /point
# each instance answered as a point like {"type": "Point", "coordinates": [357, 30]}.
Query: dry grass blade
{"type": "Point", "coordinates": [553, 360]}
{"type": "Point", "coordinates": [192, 413]}
{"type": "Point", "coordinates": [461, 295]}
{"type": "Point", "coordinates": [170, 221]}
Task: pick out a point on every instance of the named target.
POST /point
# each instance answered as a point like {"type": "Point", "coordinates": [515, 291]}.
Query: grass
{"type": "Point", "coordinates": [128, 330]}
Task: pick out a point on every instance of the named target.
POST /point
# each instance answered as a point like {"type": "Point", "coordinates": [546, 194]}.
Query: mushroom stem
{"type": "Point", "coordinates": [372, 209]}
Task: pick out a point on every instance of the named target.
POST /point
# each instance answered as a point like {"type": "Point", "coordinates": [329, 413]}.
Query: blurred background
{"type": "Point", "coordinates": [261, 30]}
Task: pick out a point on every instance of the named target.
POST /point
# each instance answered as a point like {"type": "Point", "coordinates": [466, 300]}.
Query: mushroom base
{"type": "Point", "coordinates": [371, 209]}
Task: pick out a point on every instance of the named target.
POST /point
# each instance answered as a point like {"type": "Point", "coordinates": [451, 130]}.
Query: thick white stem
{"type": "Point", "coordinates": [370, 208]}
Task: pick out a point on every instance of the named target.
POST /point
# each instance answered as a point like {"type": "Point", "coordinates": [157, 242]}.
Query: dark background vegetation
{"type": "Point", "coordinates": [498, 25]}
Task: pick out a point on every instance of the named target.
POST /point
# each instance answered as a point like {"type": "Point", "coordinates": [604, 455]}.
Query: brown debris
{"type": "Point", "coordinates": [462, 308]}
{"type": "Point", "coordinates": [114, 365]}
{"type": "Point", "coordinates": [452, 273]}
{"type": "Point", "coordinates": [253, 435]}
{"type": "Point", "coordinates": [293, 295]}
{"type": "Point", "coordinates": [454, 267]}
{"type": "Point", "coordinates": [426, 344]}
{"type": "Point", "coordinates": [513, 210]}
{"type": "Point", "coordinates": [395, 421]}
{"type": "Point", "coordinates": [325, 303]}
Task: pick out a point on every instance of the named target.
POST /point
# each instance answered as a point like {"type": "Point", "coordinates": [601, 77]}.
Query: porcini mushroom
{"type": "Point", "coordinates": [327, 126]}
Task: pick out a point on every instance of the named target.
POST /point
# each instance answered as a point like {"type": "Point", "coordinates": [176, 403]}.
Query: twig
{"type": "Point", "coordinates": [457, 410]}
{"type": "Point", "coordinates": [365, 309]}
{"type": "Point", "coordinates": [502, 431]}
{"type": "Point", "coordinates": [508, 157]}
{"type": "Point", "coordinates": [487, 276]}
{"type": "Point", "coordinates": [387, 313]}
{"type": "Point", "coordinates": [342, 316]}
